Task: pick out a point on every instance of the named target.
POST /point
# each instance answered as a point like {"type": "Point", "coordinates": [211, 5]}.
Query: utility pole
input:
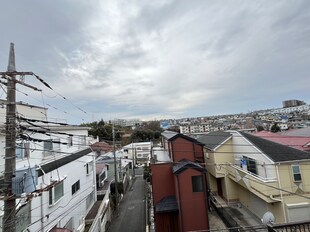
{"type": "Point", "coordinates": [9, 222]}
{"type": "Point", "coordinates": [115, 167]}
{"type": "Point", "coordinates": [9, 218]}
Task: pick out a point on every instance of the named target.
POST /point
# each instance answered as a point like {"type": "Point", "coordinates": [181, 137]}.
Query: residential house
{"type": "Point", "coordinates": [298, 142]}
{"type": "Point", "coordinates": [304, 132]}
{"type": "Point", "coordinates": [139, 152]}
{"type": "Point", "coordinates": [261, 175]}
{"type": "Point", "coordinates": [51, 194]}
{"type": "Point", "coordinates": [217, 150]}
{"type": "Point", "coordinates": [99, 217]}
{"type": "Point", "coordinates": [179, 186]}
{"type": "Point", "coordinates": [101, 148]}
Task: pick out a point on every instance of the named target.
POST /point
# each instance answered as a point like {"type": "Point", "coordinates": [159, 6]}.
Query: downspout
{"type": "Point", "coordinates": [281, 194]}
{"type": "Point", "coordinates": [181, 215]}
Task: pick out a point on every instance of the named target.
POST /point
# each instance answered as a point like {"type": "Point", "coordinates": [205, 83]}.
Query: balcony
{"type": "Point", "coordinates": [265, 188]}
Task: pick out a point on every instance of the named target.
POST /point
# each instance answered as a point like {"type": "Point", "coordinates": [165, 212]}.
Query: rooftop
{"type": "Point", "coordinates": [214, 139]}
{"type": "Point", "coordinates": [275, 151]}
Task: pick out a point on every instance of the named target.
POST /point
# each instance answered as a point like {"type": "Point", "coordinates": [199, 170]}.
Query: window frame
{"type": "Point", "coordinates": [52, 197]}
{"type": "Point", "coordinates": [298, 173]}
{"type": "Point", "coordinates": [197, 184]}
{"type": "Point", "coordinates": [22, 150]}
{"type": "Point", "coordinates": [249, 164]}
{"type": "Point", "coordinates": [75, 187]}
{"type": "Point", "coordinates": [89, 168]}
{"type": "Point", "coordinates": [48, 143]}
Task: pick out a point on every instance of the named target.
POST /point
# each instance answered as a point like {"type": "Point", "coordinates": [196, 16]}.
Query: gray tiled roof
{"type": "Point", "coordinates": [213, 139]}
{"type": "Point", "coordinates": [167, 204]}
{"type": "Point", "coordinates": [185, 164]}
{"type": "Point", "coordinates": [168, 134]}
{"type": "Point", "coordinates": [275, 151]}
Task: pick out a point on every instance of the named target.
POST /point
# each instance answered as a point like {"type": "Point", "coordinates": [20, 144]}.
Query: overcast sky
{"type": "Point", "coordinates": [159, 59]}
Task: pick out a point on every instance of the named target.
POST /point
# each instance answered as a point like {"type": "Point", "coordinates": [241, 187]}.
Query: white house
{"type": "Point", "coordinates": [55, 178]}
{"type": "Point", "coordinates": [140, 152]}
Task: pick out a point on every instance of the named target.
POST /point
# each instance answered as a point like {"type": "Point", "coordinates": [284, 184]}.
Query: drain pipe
{"type": "Point", "coordinates": [275, 199]}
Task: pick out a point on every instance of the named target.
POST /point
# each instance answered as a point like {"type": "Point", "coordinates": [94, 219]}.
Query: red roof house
{"type": "Point", "coordinates": [298, 142]}
{"type": "Point", "coordinates": [179, 186]}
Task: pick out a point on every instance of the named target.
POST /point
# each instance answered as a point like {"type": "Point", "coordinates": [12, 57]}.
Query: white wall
{"type": "Point", "coordinates": [242, 147]}
{"type": "Point", "coordinates": [69, 206]}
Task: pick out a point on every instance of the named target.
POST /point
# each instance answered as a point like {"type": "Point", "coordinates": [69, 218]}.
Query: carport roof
{"type": "Point", "coordinates": [167, 204]}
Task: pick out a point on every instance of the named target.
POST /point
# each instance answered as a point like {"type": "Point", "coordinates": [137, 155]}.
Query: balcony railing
{"type": "Point", "coordinates": [265, 188]}
{"type": "Point", "coordinates": [257, 177]}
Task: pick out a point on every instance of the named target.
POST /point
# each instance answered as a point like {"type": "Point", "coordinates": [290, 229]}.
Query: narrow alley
{"type": "Point", "coordinates": [131, 213]}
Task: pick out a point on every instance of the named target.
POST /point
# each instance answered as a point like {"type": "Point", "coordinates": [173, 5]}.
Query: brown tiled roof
{"type": "Point", "coordinates": [99, 167]}
{"type": "Point", "coordinates": [101, 146]}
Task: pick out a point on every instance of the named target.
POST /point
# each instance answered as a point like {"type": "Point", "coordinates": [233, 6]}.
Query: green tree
{"type": "Point", "coordinates": [103, 131]}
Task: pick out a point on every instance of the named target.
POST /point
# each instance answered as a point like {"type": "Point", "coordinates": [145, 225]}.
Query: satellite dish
{"type": "Point", "coordinates": [268, 218]}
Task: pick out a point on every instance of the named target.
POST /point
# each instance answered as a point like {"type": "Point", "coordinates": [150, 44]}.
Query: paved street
{"type": "Point", "coordinates": [132, 209]}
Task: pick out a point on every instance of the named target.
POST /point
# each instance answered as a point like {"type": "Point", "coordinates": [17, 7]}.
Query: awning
{"type": "Point", "coordinates": [167, 204]}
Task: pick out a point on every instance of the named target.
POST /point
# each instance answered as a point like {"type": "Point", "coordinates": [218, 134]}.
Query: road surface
{"type": "Point", "coordinates": [131, 216]}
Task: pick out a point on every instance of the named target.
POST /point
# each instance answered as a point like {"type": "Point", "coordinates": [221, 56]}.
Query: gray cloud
{"type": "Point", "coordinates": [153, 59]}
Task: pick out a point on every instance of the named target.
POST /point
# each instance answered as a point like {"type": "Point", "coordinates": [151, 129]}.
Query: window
{"type": "Point", "coordinates": [82, 140]}
{"type": "Point", "coordinates": [56, 192]}
{"type": "Point", "coordinates": [250, 164]}
{"type": "Point", "coordinates": [48, 147]}
{"type": "Point", "coordinates": [197, 184]}
{"type": "Point", "coordinates": [22, 150]}
{"type": "Point", "coordinates": [75, 187]}
{"type": "Point", "coordinates": [89, 167]}
{"type": "Point", "coordinates": [296, 173]}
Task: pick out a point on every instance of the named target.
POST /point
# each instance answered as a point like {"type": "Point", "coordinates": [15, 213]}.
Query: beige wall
{"type": "Point", "coordinates": [216, 163]}
{"type": "Point", "coordinates": [231, 190]}
{"type": "Point", "coordinates": [259, 195]}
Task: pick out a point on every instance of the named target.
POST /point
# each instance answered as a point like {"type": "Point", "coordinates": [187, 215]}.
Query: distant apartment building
{"type": "Point", "coordinates": [194, 129]}
{"type": "Point", "coordinates": [288, 109]}
{"type": "Point", "coordinates": [292, 103]}
{"type": "Point", "coordinates": [126, 122]}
